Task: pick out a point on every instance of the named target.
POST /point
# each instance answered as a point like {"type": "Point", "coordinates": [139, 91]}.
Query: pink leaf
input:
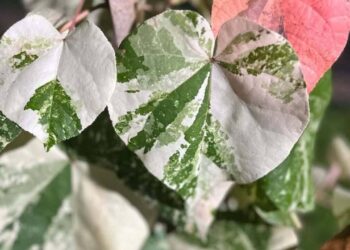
{"type": "Point", "coordinates": [124, 14]}
{"type": "Point", "coordinates": [317, 29]}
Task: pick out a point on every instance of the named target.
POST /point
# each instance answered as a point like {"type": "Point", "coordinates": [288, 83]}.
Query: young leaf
{"type": "Point", "coordinates": [290, 186]}
{"type": "Point", "coordinates": [53, 85]}
{"type": "Point", "coordinates": [317, 30]}
{"type": "Point", "coordinates": [124, 15]}
{"type": "Point", "coordinates": [34, 199]}
{"type": "Point", "coordinates": [194, 116]}
{"type": "Point", "coordinates": [8, 131]}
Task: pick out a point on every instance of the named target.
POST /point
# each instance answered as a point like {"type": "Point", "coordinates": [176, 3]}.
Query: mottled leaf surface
{"type": "Point", "coordinates": [8, 131]}
{"type": "Point", "coordinates": [290, 186]}
{"type": "Point", "coordinates": [54, 85]}
{"type": "Point", "coordinates": [317, 30]}
{"type": "Point", "coordinates": [34, 199]}
{"type": "Point", "coordinates": [196, 116]}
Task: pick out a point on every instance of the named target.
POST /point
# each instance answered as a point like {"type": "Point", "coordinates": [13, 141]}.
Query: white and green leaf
{"type": "Point", "coordinates": [40, 210]}
{"type": "Point", "coordinates": [199, 117]}
{"type": "Point", "coordinates": [34, 199]}
{"type": "Point", "coordinates": [54, 85]}
{"type": "Point", "coordinates": [8, 131]}
{"type": "Point", "coordinates": [290, 186]}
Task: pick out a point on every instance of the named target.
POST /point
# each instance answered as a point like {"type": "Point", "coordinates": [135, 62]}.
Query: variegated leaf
{"type": "Point", "coordinates": [34, 199]}
{"type": "Point", "coordinates": [40, 210]}
{"type": "Point", "coordinates": [290, 186]}
{"type": "Point", "coordinates": [317, 30]}
{"type": "Point", "coordinates": [54, 85]}
{"type": "Point", "coordinates": [8, 131]}
{"type": "Point", "coordinates": [195, 116]}
{"type": "Point", "coordinates": [100, 145]}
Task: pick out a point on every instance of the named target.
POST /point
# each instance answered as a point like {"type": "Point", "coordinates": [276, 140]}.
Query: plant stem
{"type": "Point", "coordinates": [81, 15]}
{"type": "Point", "coordinates": [77, 12]}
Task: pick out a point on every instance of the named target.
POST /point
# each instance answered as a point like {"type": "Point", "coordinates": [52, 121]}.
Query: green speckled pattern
{"type": "Point", "coordinates": [56, 111]}
{"type": "Point", "coordinates": [8, 131]}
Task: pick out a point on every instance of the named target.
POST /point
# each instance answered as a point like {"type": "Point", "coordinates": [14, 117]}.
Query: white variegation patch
{"type": "Point", "coordinates": [24, 175]}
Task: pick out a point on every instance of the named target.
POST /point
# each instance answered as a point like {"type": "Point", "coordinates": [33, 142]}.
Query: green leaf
{"type": "Point", "coordinates": [199, 117]}
{"type": "Point", "coordinates": [290, 186]}
{"type": "Point", "coordinates": [319, 226]}
{"type": "Point", "coordinates": [55, 108]}
{"type": "Point", "coordinates": [34, 199]}
{"type": "Point", "coordinates": [8, 131]}
{"type": "Point", "coordinates": [75, 71]}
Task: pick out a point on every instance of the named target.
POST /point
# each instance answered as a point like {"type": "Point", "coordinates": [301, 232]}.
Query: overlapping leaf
{"type": "Point", "coordinates": [195, 116]}
{"type": "Point", "coordinates": [124, 15]}
{"type": "Point", "coordinates": [40, 210]}
{"type": "Point", "coordinates": [317, 30]}
{"type": "Point", "coordinates": [290, 186]}
{"type": "Point", "coordinates": [8, 131]}
{"type": "Point", "coordinates": [34, 199]}
{"type": "Point", "coordinates": [100, 145]}
{"type": "Point", "coordinates": [54, 85]}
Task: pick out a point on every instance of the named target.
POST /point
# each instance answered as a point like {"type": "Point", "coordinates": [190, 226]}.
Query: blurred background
{"type": "Point", "coordinates": [334, 134]}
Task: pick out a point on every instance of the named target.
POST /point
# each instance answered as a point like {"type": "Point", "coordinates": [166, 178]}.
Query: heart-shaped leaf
{"type": "Point", "coordinates": [53, 85]}
{"type": "Point", "coordinates": [195, 116]}
{"type": "Point", "coordinates": [317, 30]}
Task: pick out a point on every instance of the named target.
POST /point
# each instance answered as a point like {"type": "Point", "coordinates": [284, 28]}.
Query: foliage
{"type": "Point", "coordinates": [182, 137]}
